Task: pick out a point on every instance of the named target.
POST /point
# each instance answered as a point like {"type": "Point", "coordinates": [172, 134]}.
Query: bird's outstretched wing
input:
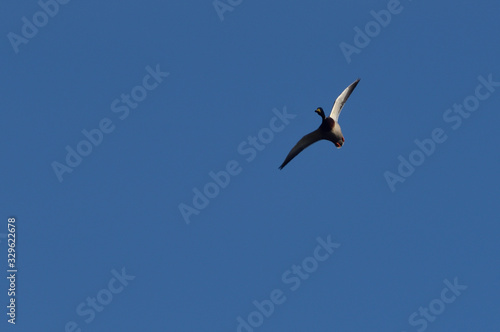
{"type": "Point", "coordinates": [301, 145]}
{"type": "Point", "coordinates": [339, 103]}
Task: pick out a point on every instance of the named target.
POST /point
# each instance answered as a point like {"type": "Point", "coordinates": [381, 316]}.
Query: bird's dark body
{"type": "Point", "coordinates": [327, 124]}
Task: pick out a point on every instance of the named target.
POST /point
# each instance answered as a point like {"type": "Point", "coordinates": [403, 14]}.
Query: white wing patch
{"type": "Point", "coordinates": [339, 103]}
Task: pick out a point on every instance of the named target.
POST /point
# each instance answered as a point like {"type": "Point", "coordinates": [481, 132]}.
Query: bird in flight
{"type": "Point", "coordinates": [329, 128]}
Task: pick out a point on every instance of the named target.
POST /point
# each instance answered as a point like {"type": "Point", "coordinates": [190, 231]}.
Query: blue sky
{"type": "Point", "coordinates": [116, 116]}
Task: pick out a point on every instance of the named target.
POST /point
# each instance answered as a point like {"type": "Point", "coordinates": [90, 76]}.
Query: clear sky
{"type": "Point", "coordinates": [141, 145]}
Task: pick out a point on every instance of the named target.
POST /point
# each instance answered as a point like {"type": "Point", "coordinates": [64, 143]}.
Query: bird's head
{"type": "Point", "coordinates": [320, 112]}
